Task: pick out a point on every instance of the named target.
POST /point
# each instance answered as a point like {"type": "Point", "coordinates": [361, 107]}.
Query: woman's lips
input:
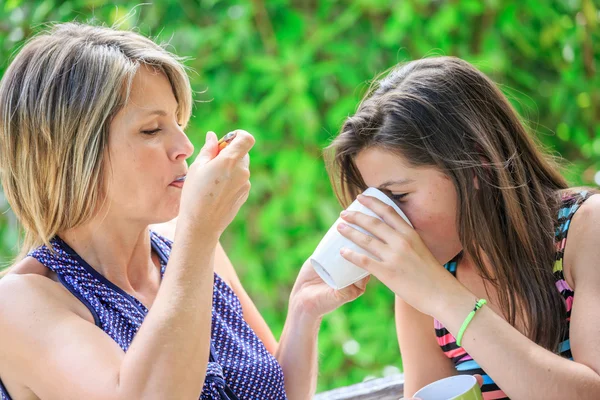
{"type": "Point", "coordinates": [178, 182]}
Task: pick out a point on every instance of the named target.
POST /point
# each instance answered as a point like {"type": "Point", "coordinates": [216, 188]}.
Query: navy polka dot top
{"type": "Point", "coordinates": [239, 366]}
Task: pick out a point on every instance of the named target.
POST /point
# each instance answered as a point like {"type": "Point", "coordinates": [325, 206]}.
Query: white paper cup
{"type": "Point", "coordinates": [458, 387]}
{"type": "Point", "coordinates": [334, 269]}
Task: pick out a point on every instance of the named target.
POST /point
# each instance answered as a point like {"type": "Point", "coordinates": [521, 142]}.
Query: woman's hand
{"type": "Point", "coordinates": [405, 264]}
{"type": "Point", "coordinates": [315, 298]}
{"type": "Point", "coordinates": [217, 184]}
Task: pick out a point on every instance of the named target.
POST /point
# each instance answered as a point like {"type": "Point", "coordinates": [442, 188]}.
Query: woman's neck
{"type": "Point", "coordinates": [117, 249]}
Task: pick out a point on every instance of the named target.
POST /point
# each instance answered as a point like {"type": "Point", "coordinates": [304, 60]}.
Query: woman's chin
{"type": "Point", "coordinates": [166, 215]}
{"type": "Point", "coordinates": [165, 228]}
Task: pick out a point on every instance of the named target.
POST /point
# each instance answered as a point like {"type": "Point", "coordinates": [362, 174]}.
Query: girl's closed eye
{"type": "Point", "coordinates": [399, 197]}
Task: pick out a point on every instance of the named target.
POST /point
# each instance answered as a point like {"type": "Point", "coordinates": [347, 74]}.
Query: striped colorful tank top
{"type": "Point", "coordinates": [463, 362]}
{"type": "Point", "coordinates": [239, 367]}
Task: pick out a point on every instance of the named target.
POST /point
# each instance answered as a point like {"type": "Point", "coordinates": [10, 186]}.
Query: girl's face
{"type": "Point", "coordinates": [147, 152]}
{"type": "Point", "coordinates": [424, 194]}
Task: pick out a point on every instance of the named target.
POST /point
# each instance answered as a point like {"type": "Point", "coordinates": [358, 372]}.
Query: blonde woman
{"type": "Point", "coordinates": [92, 151]}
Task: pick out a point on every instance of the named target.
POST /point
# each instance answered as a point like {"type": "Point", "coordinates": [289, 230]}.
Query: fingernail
{"type": "Point", "coordinates": [342, 250]}
{"type": "Point", "coordinates": [360, 197]}
{"type": "Point", "coordinates": [344, 213]}
{"type": "Point", "coordinates": [342, 226]}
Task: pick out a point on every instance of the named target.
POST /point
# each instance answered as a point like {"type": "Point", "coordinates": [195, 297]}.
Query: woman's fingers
{"type": "Point", "coordinates": [239, 146]}
{"type": "Point", "coordinates": [209, 150]}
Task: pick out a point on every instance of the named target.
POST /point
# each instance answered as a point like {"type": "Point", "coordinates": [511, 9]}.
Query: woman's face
{"type": "Point", "coordinates": [425, 195]}
{"type": "Point", "coordinates": [147, 152]}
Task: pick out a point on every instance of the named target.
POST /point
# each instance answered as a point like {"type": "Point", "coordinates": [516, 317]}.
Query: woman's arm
{"type": "Point", "coordinates": [297, 348]}
{"type": "Point", "coordinates": [57, 354]}
{"type": "Point", "coordinates": [226, 271]}
{"type": "Point", "coordinates": [310, 299]}
{"type": "Point", "coordinates": [252, 316]}
{"type": "Point", "coordinates": [61, 355]}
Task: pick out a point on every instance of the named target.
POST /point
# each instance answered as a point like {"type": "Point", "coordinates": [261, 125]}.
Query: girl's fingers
{"type": "Point", "coordinates": [386, 212]}
{"type": "Point", "coordinates": [374, 226]}
{"type": "Point", "coordinates": [362, 284]}
{"type": "Point", "coordinates": [369, 243]}
{"type": "Point", "coordinates": [479, 379]}
{"type": "Point", "coordinates": [360, 260]}
{"type": "Point", "coordinates": [354, 291]}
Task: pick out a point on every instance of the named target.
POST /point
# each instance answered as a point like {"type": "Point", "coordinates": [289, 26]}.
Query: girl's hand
{"type": "Point", "coordinates": [404, 264]}
{"type": "Point", "coordinates": [315, 298]}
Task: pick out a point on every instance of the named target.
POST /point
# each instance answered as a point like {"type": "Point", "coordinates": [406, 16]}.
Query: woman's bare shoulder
{"type": "Point", "coordinates": [41, 320]}
{"type": "Point", "coordinates": [30, 287]}
{"type": "Point", "coordinates": [30, 265]}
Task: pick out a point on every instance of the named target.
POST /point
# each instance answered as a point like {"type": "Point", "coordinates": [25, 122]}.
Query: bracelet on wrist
{"type": "Point", "coordinates": [468, 319]}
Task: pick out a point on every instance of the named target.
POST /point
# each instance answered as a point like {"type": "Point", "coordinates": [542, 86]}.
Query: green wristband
{"type": "Point", "coordinates": [461, 332]}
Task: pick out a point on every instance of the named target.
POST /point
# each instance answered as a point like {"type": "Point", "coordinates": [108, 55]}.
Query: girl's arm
{"type": "Point", "coordinates": [422, 358]}
{"type": "Point", "coordinates": [523, 369]}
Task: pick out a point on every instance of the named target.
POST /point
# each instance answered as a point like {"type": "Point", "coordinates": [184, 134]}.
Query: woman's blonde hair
{"type": "Point", "coordinates": [57, 99]}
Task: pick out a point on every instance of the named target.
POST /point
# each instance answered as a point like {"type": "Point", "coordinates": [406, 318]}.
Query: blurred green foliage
{"type": "Point", "coordinates": [290, 71]}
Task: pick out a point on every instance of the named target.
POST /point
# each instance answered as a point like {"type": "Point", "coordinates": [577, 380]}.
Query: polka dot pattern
{"type": "Point", "coordinates": [239, 363]}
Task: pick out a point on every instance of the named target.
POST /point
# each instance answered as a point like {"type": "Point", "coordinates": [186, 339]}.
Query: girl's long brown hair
{"type": "Point", "coordinates": [444, 113]}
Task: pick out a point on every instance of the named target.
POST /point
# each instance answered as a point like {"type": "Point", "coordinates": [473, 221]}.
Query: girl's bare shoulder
{"type": "Point", "coordinates": [583, 250]}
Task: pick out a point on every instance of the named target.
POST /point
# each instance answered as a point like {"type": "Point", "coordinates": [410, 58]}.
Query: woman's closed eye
{"type": "Point", "coordinates": [151, 131]}
{"type": "Point", "coordinates": [156, 130]}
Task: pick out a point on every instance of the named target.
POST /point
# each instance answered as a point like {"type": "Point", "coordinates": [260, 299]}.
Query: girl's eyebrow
{"type": "Point", "coordinates": [395, 182]}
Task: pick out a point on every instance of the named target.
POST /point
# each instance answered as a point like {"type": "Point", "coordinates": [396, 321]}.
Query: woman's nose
{"type": "Point", "coordinates": [184, 148]}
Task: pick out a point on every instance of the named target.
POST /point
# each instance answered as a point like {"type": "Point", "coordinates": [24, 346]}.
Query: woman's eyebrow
{"type": "Point", "coordinates": [162, 113]}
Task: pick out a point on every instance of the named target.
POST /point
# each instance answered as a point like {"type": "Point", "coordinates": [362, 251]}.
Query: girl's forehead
{"type": "Point", "coordinates": [376, 164]}
{"type": "Point", "coordinates": [380, 168]}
